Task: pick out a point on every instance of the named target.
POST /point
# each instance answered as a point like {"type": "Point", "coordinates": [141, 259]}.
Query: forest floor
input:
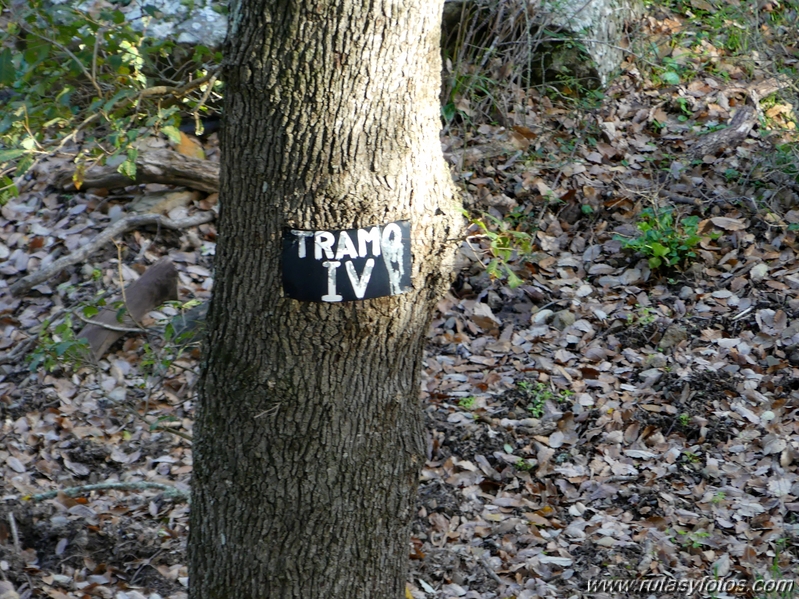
{"type": "Point", "coordinates": [607, 418]}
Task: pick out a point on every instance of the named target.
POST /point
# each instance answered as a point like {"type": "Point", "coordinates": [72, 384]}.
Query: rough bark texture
{"type": "Point", "coordinates": [599, 26]}
{"type": "Point", "coordinates": [308, 440]}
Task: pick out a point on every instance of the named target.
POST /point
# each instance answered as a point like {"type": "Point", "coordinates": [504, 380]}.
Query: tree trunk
{"type": "Point", "coordinates": [308, 440]}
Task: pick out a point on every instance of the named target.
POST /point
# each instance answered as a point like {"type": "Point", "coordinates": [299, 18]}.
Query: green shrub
{"type": "Point", "coordinates": [62, 70]}
{"type": "Point", "coordinates": [59, 348]}
{"type": "Point", "coordinates": [663, 240]}
{"type": "Point", "coordinates": [539, 394]}
{"type": "Point", "coordinates": [506, 242]}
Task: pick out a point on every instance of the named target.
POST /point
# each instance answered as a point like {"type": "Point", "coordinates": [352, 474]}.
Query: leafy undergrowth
{"type": "Point", "coordinates": [592, 414]}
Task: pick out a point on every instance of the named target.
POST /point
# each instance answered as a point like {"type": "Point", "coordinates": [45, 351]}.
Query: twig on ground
{"type": "Point", "coordinates": [110, 327]}
{"type": "Point", "coordinates": [145, 563]}
{"type": "Point", "coordinates": [12, 524]}
{"type": "Point", "coordinates": [120, 227]}
{"type": "Point", "coordinates": [679, 199]}
{"type": "Point", "coordinates": [122, 285]}
{"type": "Point", "coordinates": [160, 427]}
{"type": "Point", "coordinates": [19, 351]}
{"type": "Point", "coordinates": [490, 571]}
{"type": "Point", "coordinates": [619, 479]}
{"type": "Point", "coordinates": [169, 490]}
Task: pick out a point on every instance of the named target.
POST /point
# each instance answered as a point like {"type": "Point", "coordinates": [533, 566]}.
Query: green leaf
{"type": "Point", "coordinates": [659, 250]}
{"type": "Point", "coordinates": [123, 93]}
{"type": "Point", "coordinates": [24, 164]}
{"type": "Point", "coordinates": [6, 155]}
{"type": "Point", "coordinates": [7, 191]}
{"type": "Point", "coordinates": [36, 359]}
{"type": "Point", "coordinates": [63, 347]}
{"type": "Point", "coordinates": [8, 74]}
{"type": "Point", "coordinates": [128, 168]}
{"type": "Point", "coordinates": [89, 311]}
{"type": "Point", "coordinates": [513, 280]}
{"type": "Point", "coordinates": [655, 263]}
{"type": "Point", "coordinates": [690, 221]}
{"type": "Point", "coordinates": [115, 62]}
{"type": "Point", "coordinates": [671, 78]}
{"type": "Point", "coordinates": [172, 132]}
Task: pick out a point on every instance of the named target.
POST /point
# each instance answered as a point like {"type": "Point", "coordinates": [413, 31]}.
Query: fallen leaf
{"type": "Point", "coordinates": [729, 224]}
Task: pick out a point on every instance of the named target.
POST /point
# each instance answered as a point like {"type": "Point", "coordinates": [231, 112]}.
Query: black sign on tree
{"type": "Point", "coordinates": [343, 266]}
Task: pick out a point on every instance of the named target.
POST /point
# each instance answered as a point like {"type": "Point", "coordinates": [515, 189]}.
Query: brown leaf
{"type": "Point", "coordinates": [15, 464]}
{"type": "Point", "coordinates": [525, 132]}
{"type": "Point", "coordinates": [520, 142]}
{"type": "Point", "coordinates": [729, 224]}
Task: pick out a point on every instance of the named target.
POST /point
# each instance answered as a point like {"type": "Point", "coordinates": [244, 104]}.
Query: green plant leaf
{"type": "Point", "coordinates": [128, 168]}
{"type": "Point", "coordinates": [513, 280]}
{"type": "Point", "coordinates": [671, 78]}
{"type": "Point", "coordinates": [8, 74]}
{"type": "Point", "coordinates": [658, 249]}
{"type": "Point", "coordinates": [123, 93]}
{"type": "Point", "coordinates": [63, 347]}
{"type": "Point", "coordinates": [36, 359]}
{"type": "Point", "coordinates": [6, 155]}
{"type": "Point", "coordinates": [654, 263]}
{"type": "Point", "coordinates": [493, 268]}
{"type": "Point", "coordinates": [172, 132]}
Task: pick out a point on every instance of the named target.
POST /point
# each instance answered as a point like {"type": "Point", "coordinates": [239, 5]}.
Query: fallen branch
{"type": "Point", "coordinates": [739, 127]}
{"type": "Point", "coordinates": [154, 166]}
{"type": "Point", "coordinates": [169, 490]}
{"type": "Point", "coordinates": [12, 524]}
{"type": "Point", "coordinates": [490, 571]}
{"type": "Point", "coordinates": [20, 350]}
{"type": "Point", "coordinates": [679, 199]}
{"type": "Point", "coordinates": [120, 227]}
{"type": "Point", "coordinates": [742, 121]}
{"type": "Point", "coordinates": [160, 427]}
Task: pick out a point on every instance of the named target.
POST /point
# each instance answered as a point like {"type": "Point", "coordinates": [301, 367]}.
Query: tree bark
{"type": "Point", "coordinates": [308, 440]}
